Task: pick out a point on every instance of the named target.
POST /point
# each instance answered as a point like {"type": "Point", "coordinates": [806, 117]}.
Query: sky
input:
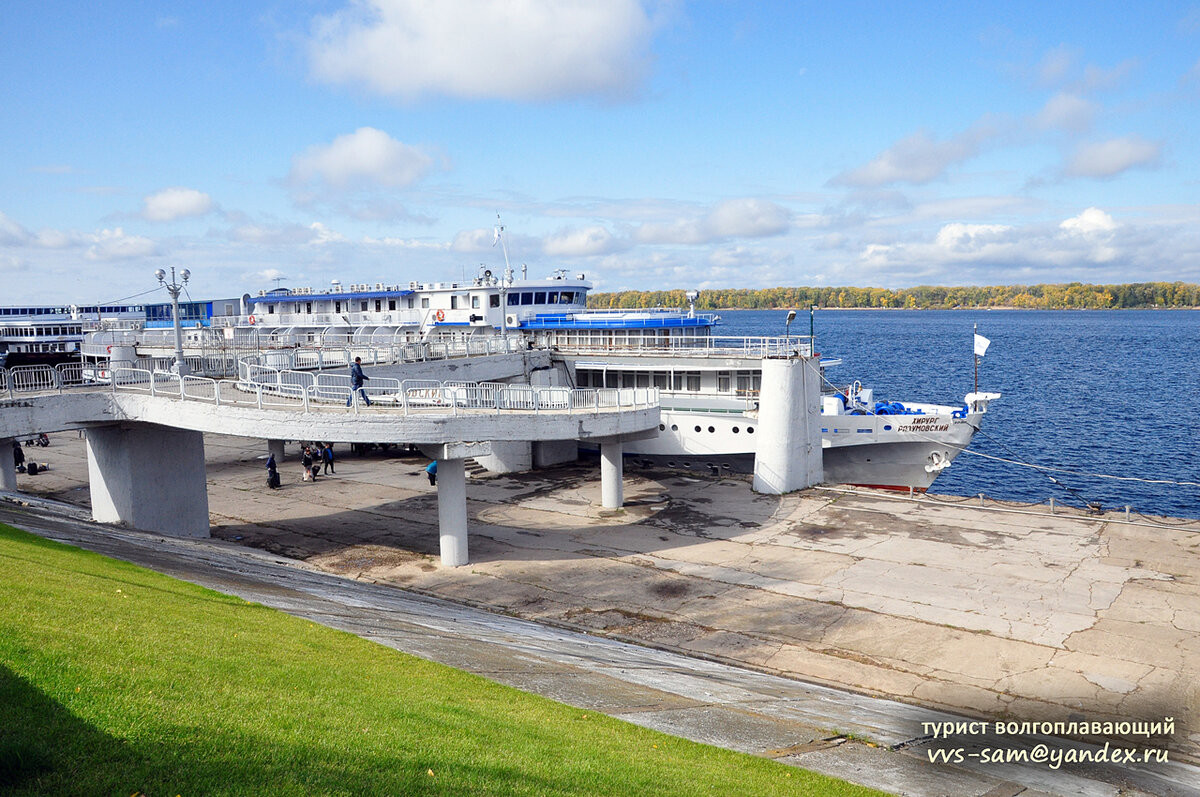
{"type": "Point", "coordinates": [649, 144]}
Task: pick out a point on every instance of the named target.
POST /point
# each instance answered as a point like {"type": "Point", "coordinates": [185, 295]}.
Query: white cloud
{"type": "Point", "coordinates": [1089, 222]}
{"type": "Point", "coordinates": [507, 49]}
{"type": "Point", "coordinates": [365, 158]}
{"type": "Point", "coordinates": [594, 240]}
{"type": "Point", "coordinates": [176, 203]}
{"type": "Point", "coordinates": [1067, 111]}
{"type": "Point", "coordinates": [116, 245]}
{"type": "Point", "coordinates": [918, 159]}
{"type": "Point", "coordinates": [12, 233]}
{"type": "Point", "coordinates": [732, 218]}
{"type": "Point", "coordinates": [1110, 158]}
{"type": "Point", "coordinates": [971, 238]}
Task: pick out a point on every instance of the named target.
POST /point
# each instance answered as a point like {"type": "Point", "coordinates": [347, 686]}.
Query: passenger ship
{"type": "Point", "coordinates": [709, 384]}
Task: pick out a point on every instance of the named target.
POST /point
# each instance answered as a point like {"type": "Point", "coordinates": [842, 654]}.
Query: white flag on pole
{"type": "Point", "coordinates": [981, 345]}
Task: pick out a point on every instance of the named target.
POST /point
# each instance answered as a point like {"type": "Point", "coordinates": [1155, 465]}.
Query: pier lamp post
{"type": "Point", "coordinates": [174, 288]}
{"type": "Point", "coordinates": [787, 330]}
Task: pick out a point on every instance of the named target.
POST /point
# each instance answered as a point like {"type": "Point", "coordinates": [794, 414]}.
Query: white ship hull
{"type": "Point", "coordinates": [888, 451]}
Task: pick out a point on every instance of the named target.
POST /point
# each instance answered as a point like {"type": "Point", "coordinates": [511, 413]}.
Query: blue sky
{"type": "Point", "coordinates": [650, 145]}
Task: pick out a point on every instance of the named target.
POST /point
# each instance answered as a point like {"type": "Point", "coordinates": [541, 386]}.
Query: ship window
{"type": "Point", "coordinates": [693, 381]}
{"type": "Point", "coordinates": [425, 302]}
{"type": "Point", "coordinates": [378, 305]}
{"type": "Point", "coordinates": [526, 298]}
{"type": "Point", "coordinates": [475, 301]}
{"type": "Point", "coordinates": [748, 382]}
{"type": "Point", "coordinates": [643, 379]}
{"type": "Point", "coordinates": [453, 302]}
{"type": "Point", "coordinates": [724, 381]}
{"type": "Point", "coordinates": [610, 379]}
{"type": "Point", "coordinates": [567, 297]}
{"type": "Point", "coordinates": [337, 307]}
{"type": "Point", "coordinates": [660, 380]}
{"type": "Point", "coordinates": [308, 307]}
{"type": "Point", "coordinates": [494, 300]}
{"type": "Point", "coordinates": [514, 299]}
{"type": "Point", "coordinates": [552, 297]}
{"type": "Point", "coordinates": [539, 297]}
{"type": "Point", "coordinates": [362, 306]}
{"type": "Point", "coordinates": [391, 304]}
{"type": "Point", "coordinates": [270, 309]}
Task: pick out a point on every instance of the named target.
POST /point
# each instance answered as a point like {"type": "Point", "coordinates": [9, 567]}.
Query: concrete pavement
{"type": "Point", "coordinates": [942, 606]}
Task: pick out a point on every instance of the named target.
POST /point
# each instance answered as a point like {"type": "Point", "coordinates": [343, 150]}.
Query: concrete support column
{"type": "Point", "coordinates": [789, 426]}
{"type": "Point", "coordinates": [149, 477]}
{"type": "Point", "coordinates": [452, 511]}
{"type": "Point", "coordinates": [508, 456]}
{"type": "Point", "coordinates": [275, 447]}
{"type": "Point", "coordinates": [547, 453]}
{"type": "Point", "coordinates": [8, 466]}
{"type": "Point", "coordinates": [612, 475]}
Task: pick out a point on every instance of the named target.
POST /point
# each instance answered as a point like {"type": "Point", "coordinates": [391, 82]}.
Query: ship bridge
{"type": "Point", "coordinates": [145, 427]}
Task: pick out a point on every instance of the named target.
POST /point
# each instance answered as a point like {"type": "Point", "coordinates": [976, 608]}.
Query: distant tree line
{"type": "Point", "coordinates": [1069, 296]}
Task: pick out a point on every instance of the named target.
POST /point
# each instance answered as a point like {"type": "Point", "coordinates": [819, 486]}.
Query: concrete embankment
{"type": "Point", "coordinates": [984, 612]}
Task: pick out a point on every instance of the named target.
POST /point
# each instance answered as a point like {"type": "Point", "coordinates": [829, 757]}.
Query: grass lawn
{"type": "Point", "coordinates": [116, 680]}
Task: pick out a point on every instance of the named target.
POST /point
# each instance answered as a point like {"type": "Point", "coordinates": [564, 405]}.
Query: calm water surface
{"type": "Point", "coordinates": [1096, 392]}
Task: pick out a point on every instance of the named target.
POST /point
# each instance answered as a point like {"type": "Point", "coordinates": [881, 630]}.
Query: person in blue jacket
{"type": "Point", "coordinates": [357, 377]}
{"type": "Point", "coordinates": [431, 472]}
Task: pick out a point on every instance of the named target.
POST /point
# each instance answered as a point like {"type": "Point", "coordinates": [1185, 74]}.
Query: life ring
{"type": "Point", "coordinates": [251, 319]}
{"type": "Point", "coordinates": [441, 315]}
{"type": "Point", "coordinates": [110, 349]}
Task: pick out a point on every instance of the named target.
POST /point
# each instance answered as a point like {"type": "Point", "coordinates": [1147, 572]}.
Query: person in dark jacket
{"type": "Point", "coordinates": [357, 377]}
{"type": "Point", "coordinates": [327, 457]}
{"type": "Point", "coordinates": [18, 457]}
{"type": "Point", "coordinates": [272, 472]}
{"type": "Point", "coordinates": [306, 462]}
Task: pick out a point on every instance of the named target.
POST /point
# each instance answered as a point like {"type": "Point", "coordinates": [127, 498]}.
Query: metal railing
{"type": "Point", "coordinates": [690, 346]}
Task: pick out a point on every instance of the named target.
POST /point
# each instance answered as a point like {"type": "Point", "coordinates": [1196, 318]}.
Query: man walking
{"type": "Point", "coordinates": [357, 377]}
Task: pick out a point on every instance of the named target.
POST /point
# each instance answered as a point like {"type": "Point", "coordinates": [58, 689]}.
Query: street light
{"type": "Point", "coordinates": [174, 288]}
{"type": "Point", "coordinates": [787, 329]}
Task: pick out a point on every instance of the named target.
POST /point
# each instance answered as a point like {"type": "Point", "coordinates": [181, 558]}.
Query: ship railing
{"type": "Point", "coordinates": [697, 346]}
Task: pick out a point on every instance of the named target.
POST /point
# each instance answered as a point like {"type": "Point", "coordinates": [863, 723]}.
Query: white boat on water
{"type": "Point", "coordinates": [709, 384]}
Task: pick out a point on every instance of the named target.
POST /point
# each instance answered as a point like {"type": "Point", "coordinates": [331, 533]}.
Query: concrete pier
{"type": "Point", "coordinates": [788, 443]}
{"type": "Point", "coordinates": [8, 467]}
{"type": "Point", "coordinates": [612, 467]}
{"type": "Point", "coordinates": [148, 477]}
{"type": "Point", "coordinates": [452, 512]}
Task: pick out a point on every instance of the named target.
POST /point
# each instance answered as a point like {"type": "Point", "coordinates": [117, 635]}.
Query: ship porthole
{"type": "Point", "coordinates": [670, 464]}
{"type": "Point", "coordinates": [662, 427]}
{"type": "Point", "coordinates": [725, 465]}
{"type": "Point", "coordinates": [749, 430]}
{"type": "Point", "coordinates": [674, 427]}
{"type": "Point", "coordinates": [736, 430]}
{"type": "Point", "coordinates": [887, 427]}
{"type": "Point", "coordinates": [711, 429]}
{"type": "Point", "coordinates": [697, 428]}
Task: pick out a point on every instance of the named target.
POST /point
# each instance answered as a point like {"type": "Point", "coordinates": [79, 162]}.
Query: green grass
{"type": "Point", "coordinates": [118, 680]}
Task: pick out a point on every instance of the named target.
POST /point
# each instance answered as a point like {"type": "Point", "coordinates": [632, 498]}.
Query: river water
{"type": "Point", "coordinates": [1110, 392]}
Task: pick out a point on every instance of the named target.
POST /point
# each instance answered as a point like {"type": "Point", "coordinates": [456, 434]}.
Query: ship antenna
{"type": "Point", "coordinates": [503, 246]}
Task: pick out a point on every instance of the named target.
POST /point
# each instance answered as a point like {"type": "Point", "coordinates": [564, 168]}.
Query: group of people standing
{"type": "Point", "coordinates": [315, 459]}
